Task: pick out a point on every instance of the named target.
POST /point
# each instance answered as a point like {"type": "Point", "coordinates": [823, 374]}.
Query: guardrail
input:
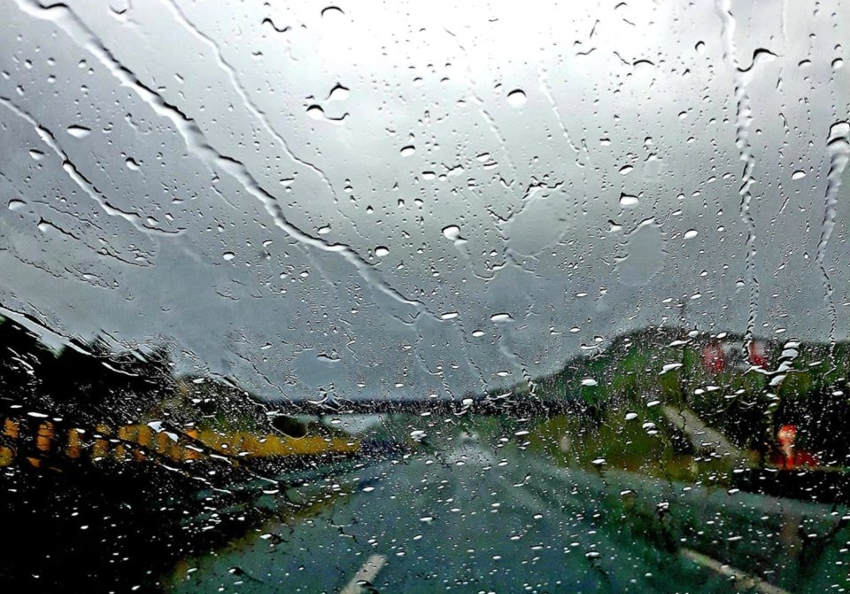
{"type": "Point", "coordinates": [35, 441]}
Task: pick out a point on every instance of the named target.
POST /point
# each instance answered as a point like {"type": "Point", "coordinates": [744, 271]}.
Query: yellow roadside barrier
{"type": "Point", "coordinates": [10, 428]}
{"type": "Point", "coordinates": [7, 455]}
{"type": "Point", "coordinates": [44, 437]}
{"type": "Point", "coordinates": [74, 443]}
{"type": "Point", "coordinates": [188, 445]}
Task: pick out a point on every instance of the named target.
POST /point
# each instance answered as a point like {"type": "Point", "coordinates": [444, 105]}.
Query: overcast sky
{"type": "Point", "coordinates": [425, 198]}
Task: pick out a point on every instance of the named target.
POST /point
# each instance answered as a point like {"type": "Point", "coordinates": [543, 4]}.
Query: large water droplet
{"type": "Point", "coordinates": [78, 131]}
{"type": "Point", "coordinates": [338, 93]}
{"type": "Point", "coordinates": [452, 232]}
{"type": "Point", "coordinates": [517, 98]}
{"type": "Point", "coordinates": [652, 167]}
{"type": "Point", "coordinates": [838, 131]}
{"type": "Point", "coordinates": [316, 112]}
{"type": "Point", "coordinates": [332, 13]}
{"type": "Point", "coordinates": [628, 201]}
{"type": "Point", "coordinates": [645, 257]}
{"type": "Point", "coordinates": [382, 251]}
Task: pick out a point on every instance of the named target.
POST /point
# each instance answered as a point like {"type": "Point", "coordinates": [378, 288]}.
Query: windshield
{"type": "Point", "coordinates": [414, 297]}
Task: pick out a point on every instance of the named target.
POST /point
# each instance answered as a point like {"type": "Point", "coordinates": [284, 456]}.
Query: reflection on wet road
{"type": "Point", "coordinates": [478, 515]}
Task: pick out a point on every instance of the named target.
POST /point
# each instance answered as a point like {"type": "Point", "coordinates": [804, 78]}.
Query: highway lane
{"type": "Point", "coordinates": [468, 516]}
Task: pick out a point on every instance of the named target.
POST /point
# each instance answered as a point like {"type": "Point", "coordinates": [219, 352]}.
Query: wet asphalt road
{"type": "Point", "coordinates": [475, 518]}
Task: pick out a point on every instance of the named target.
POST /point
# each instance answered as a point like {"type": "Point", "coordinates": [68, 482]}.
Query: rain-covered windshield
{"type": "Point", "coordinates": [470, 297]}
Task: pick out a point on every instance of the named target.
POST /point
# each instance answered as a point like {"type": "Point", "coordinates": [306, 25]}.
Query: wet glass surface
{"type": "Point", "coordinates": [424, 297]}
{"type": "Point", "coordinates": [657, 476]}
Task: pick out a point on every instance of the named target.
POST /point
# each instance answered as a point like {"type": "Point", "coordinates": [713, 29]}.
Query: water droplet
{"type": "Point", "coordinates": [316, 112]}
{"type": "Point", "coordinates": [324, 230]}
{"type": "Point", "coordinates": [691, 233]}
{"type": "Point", "coordinates": [625, 169]}
{"type": "Point", "coordinates": [16, 204]}
{"type": "Point", "coordinates": [517, 98]}
{"type": "Point", "coordinates": [799, 174]}
{"type": "Point", "coordinates": [449, 315]}
{"type": "Point", "coordinates": [501, 317]}
{"type": "Point", "coordinates": [837, 131]}
{"type": "Point", "coordinates": [332, 12]}
{"type": "Point", "coordinates": [339, 93]}
{"type": "Point", "coordinates": [652, 165]}
{"type": "Point", "coordinates": [628, 201]}
{"type": "Point", "coordinates": [36, 154]}
{"type": "Point", "coordinates": [131, 164]}
{"type": "Point", "coordinates": [477, 333]}
{"type": "Point", "coordinates": [645, 255]}
{"type": "Point", "coordinates": [837, 63]}
{"type": "Point", "coordinates": [408, 150]}
{"type": "Point", "coordinates": [228, 256]}
{"type": "Point", "coordinates": [78, 131]}
{"type": "Point", "coordinates": [630, 416]}
{"type": "Point", "coordinates": [643, 66]}
{"type": "Point", "coordinates": [589, 381]}
{"type": "Point", "coordinates": [382, 251]}
{"type": "Point", "coordinates": [452, 232]}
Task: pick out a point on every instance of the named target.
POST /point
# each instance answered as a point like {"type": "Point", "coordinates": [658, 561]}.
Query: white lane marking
{"type": "Point", "coordinates": [744, 579]}
{"type": "Point", "coordinates": [367, 573]}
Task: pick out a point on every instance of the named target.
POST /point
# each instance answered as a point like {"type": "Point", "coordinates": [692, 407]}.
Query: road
{"type": "Point", "coordinates": [473, 517]}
